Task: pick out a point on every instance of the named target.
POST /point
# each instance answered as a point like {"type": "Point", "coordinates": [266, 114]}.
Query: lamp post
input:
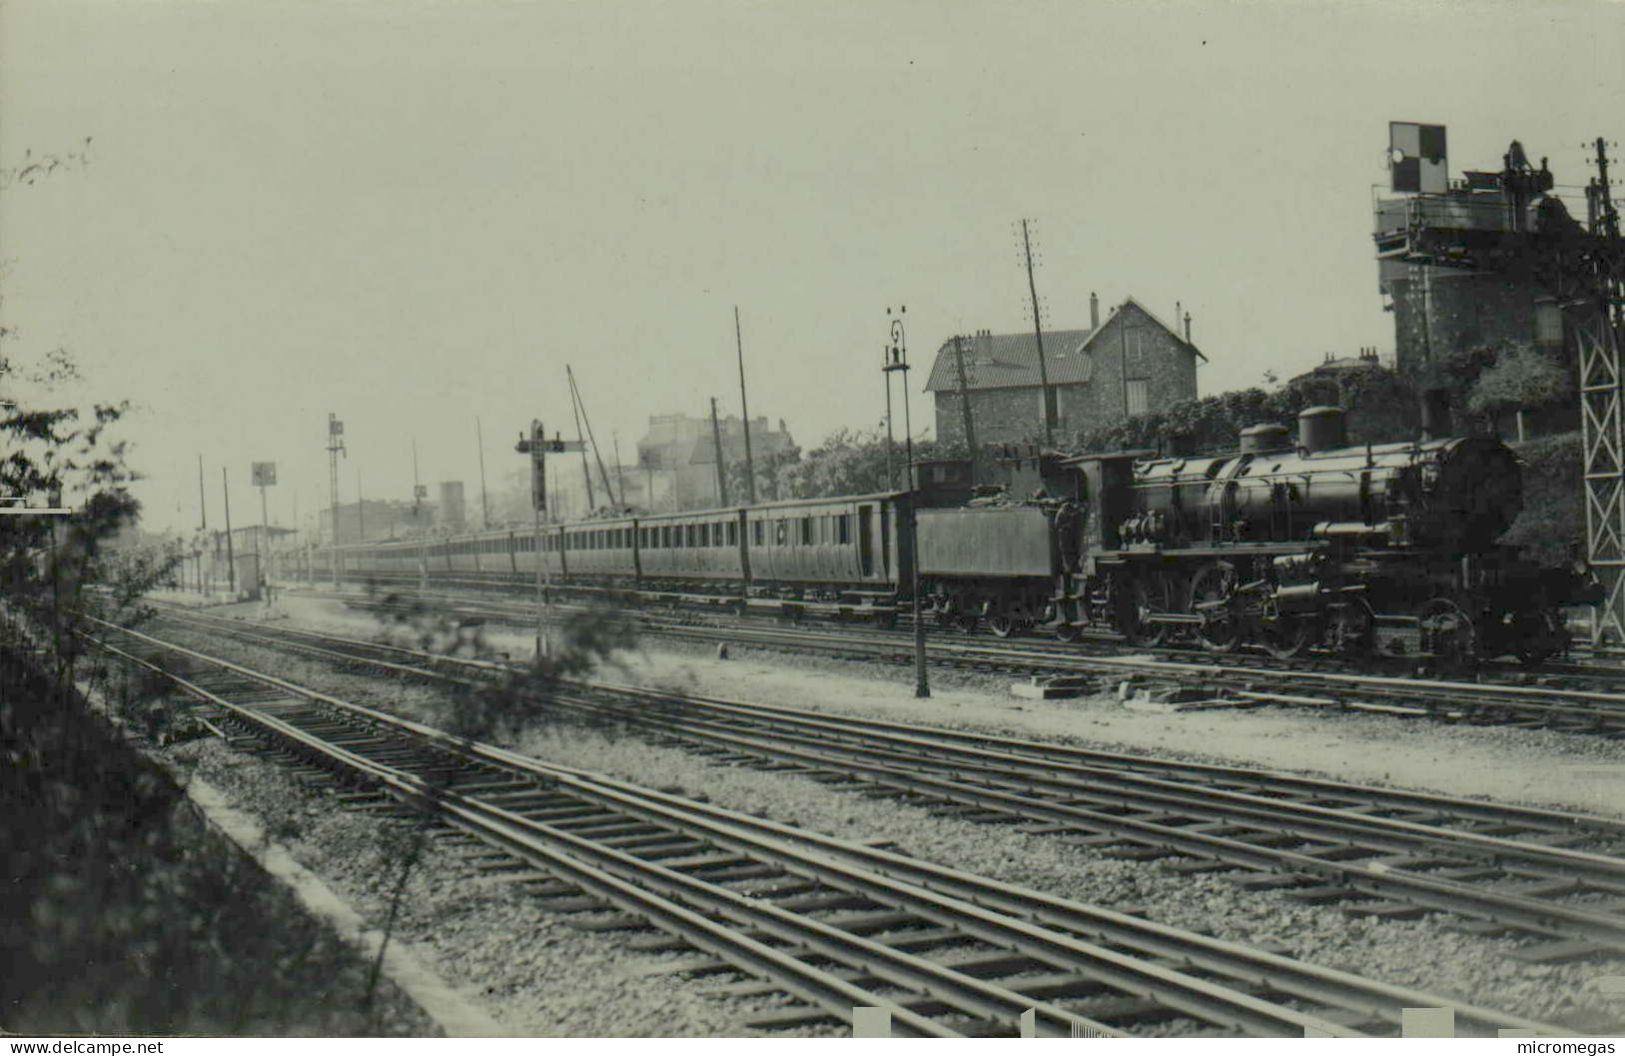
{"type": "Point", "coordinates": [897, 359]}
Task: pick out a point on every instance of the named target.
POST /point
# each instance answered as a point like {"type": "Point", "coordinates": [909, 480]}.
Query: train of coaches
{"type": "Point", "coordinates": [1291, 543]}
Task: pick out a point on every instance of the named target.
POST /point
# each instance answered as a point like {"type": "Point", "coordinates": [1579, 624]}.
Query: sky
{"type": "Point", "coordinates": [414, 215]}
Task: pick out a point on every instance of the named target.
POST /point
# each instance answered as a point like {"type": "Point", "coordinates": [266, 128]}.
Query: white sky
{"type": "Point", "coordinates": [412, 214]}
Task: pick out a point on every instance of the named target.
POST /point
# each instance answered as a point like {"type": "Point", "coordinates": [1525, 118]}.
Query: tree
{"type": "Point", "coordinates": [1521, 378]}
{"type": "Point", "coordinates": [853, 462]}
{"type": "Point", "coordinates": [773, 473]}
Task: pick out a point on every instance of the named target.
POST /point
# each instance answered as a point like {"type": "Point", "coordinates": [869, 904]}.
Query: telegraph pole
{"type": "Point", "coordinates": [964, 401]}
{"type": "Point", "coordinates": [586, 470]}
{"type": "Point", "coordinates": [202, 503]}
{"type": "Point", "coordinates": [1038, 337]}
{"type": "Point", "coordinates": [360, 509]}
{"type": "Point", "coordinates": [231, 557]}
{"type": "Point", "coordinates": [620, 474]}
{"type": "Point", "coordinates": [485, 507]}
{"type": "Point", "coordinates": [716, 441]}
{"type": "Point", "coordinates": [418, 493]}
{"type": "Point", "coordinates": [335, 448]}
{"type": "Point", "coordinates": [603, 474]}
{"type": "Point", "coordinates": [744, 408]}
{"type": "Point", "coordinates": [897, 359]}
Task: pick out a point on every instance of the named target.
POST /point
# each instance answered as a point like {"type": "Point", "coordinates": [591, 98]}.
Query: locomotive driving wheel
{"type": "Point", "coordinates": [1448, 633]}
{"type": "Point", "coordinates": [1002, 625]}
{"type": "Point", "coordinates": [1212, 588]}
{"type": "Point", "coordinates": [1285, 636]}
{"type": "Point", "coordinates": [1350, 628]}
{"type": "Point", "coordinates": [1141, 596]}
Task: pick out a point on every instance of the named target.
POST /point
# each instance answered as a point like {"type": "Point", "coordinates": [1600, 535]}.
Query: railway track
{"type": "Point", "coordinates": [1591, 667]}
{"type": "Point", "coordinates": [1593, 711]}
{"type": "Point", "coordinates": [832, 922]}
{"type": "Point", "coordinates": [1555, 875]}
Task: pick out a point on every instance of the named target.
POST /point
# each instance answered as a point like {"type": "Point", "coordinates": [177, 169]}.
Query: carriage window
{"type": "Point", "coordinates": [758, 533]}
{"type": "Point", "coordinates": [843, 528]}
{"type": "Point", "coordinates": [806, 531]}
{"type": "Point", "coordinates": [779, 532]}
{"type": "Point", "coordinates": [733, 533]}
{"type": "Point", "coordinates": [717, 531]}
{"type": "Point", "coordinates": [665, 536]}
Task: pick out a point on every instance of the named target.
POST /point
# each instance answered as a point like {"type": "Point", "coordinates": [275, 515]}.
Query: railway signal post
{"type": "Point", "coordinates": [264, 475]}
{"type": "Point", "coordinates": [537, 445]}
{"type": "Point", "coordinates": [897, 359]}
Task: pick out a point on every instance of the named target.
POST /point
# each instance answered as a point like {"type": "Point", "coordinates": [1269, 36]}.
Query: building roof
{"type": "Point", "coordinates": [1007, 361]}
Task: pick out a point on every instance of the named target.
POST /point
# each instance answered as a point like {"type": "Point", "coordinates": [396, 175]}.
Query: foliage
{"type": "Point", "coordinates": [855, 462]}
{"type": "Point", "coordinates": [1521, 377]}
{"type": "Point", "coordinates": [1210, 423]}
{"type": "Point", "coordinates": [773, 476]}
{"type": "Point", "coordinates": [512, 699]}
{"type": "Point", "coordinates": [1551, 527]}
{"type": "Point", "coordinates": [123, 914]}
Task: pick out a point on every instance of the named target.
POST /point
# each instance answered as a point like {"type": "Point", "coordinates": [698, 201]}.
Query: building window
{"type": "Point", "coordinates": [1139, 395]}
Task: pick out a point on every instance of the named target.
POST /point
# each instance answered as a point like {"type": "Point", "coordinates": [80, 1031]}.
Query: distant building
{"type": "Point", "coordinates": [252, 549]}
{"type": "Point", "coordinates": [1130, 364]}
{"type": "Point", "coordinates": [374, 519]}
{"type": "Point", "coordinates": [682, 450]}
{"type": "Point", "coordinates": [451, 514]}
{"type": "Point", "coordinates": [1325, 384]}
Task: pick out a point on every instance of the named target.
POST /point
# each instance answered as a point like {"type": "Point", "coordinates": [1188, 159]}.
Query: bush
{"type": "Point", "coordinates": [1552, 524]}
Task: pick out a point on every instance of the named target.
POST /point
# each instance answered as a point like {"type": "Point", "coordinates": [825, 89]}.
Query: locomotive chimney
{"type": "Point", "coordinates": [1181, 445]}
{"type": "Point", "coordinates": [1321, 429]}
{"type": "Point", "coordinates": [1094, 311]}
{"type": "Point", "coordinates": [1435, 413]}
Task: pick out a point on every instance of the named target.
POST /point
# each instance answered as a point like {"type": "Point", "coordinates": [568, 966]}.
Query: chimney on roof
{"type": "Point", "coordinates": [1179, 310]}
{"type": "Point", "coordinates": [1094, 311]}
{"type": "Point", "coordinates": [984, 346]}
{"type": "Point", "coordinates": [1187, 328]}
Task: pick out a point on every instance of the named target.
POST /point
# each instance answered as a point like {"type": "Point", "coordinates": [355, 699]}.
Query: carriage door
{"type": "Point", "coordinates": [866, 542]}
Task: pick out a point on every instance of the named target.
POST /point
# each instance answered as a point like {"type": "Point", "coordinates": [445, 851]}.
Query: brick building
{"type": "Point", "coordinates": [1128, 365]}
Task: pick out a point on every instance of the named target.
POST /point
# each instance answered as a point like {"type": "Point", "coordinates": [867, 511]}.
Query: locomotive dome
{"type": "Point", "coordinates": [1265, 436]}
{"type": "Point", "coordinates": [1322, 429]}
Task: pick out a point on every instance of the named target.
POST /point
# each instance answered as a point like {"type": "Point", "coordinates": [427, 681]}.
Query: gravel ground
{"type": "Point", "coordinates": [1532, 767]}
{"type": "Point", "coordinates": [1425, 953]}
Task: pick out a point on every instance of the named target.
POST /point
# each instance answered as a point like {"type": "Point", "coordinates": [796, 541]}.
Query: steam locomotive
{"type": "Point", "coordinates": [1287, 544]}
